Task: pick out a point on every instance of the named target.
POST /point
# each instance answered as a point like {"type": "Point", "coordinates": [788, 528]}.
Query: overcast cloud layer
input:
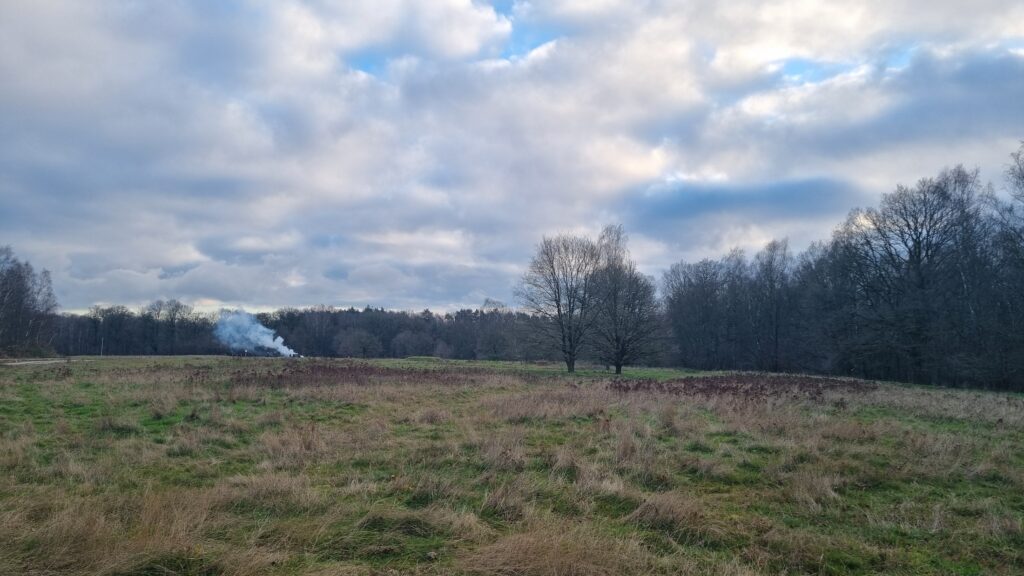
{"type": "Point", "coordinates": [407, 154]}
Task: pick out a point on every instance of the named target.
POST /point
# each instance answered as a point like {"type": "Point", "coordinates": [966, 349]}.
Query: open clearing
{"type": "Point", "coordinates": [252, 466]}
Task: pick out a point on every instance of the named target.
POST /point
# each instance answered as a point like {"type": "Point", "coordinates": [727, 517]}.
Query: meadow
{"type": "Point", "coordinates": [211, 466]}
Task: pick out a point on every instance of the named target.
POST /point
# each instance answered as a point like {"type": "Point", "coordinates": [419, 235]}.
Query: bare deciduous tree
{"type": "Point", "coordinates": [27, 306]}
{"type": "Point", "coordinates": [560, 288]}
{"type": "Point", "coordinates": [771, 292]}
{"type": "Point", "coordinates": [627, 322]}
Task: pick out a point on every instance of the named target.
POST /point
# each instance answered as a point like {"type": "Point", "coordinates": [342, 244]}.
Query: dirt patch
{"type": "Point", "coordinates": [317, 373]}
{"type": "Point", "coordinates": [746, 385]}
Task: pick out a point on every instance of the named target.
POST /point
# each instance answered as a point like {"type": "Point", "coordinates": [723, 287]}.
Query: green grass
{"type": "Point", "coordinates": [205, 465]}
{"type": "Point", "coordinates": [554, 369]}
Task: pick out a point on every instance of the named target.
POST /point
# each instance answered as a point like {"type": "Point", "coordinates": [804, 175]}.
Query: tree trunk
{"type": "Point", "coordinates": [570, 365]}
{"type": "Point", "coordinates": [618, 368]}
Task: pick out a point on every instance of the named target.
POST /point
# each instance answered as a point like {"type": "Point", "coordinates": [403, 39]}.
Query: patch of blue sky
{"type": "Point", "coordinates": [806, 71]}
{"type": "Point", "coordinates": [370, 61]}
{"type": "Point", "coordinates": [504, 7]}
{"type": "Point", "coordinates": [900, 57]}
{"type": "Point", "coordinates": [527, 37]}
{"type": "Point", "coordinates": [675, 200]}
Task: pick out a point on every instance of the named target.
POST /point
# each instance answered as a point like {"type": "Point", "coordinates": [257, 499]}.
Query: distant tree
{"type": "Point", "coordinates": [496, 332]}
{"type": "Point", "coordinates": [319, 327]}
{"type": "Point", "coordinates": [737, 310]}
{"type": "Point", "coordinates": [559, 287]}
{"type": "Point", "coordinates": [27, 306]}
{"type": "Point", "coordinates": [442, 349]}
{"type": "Point", "coordinates": [696, 308]}
{"type": "Point", "coordinates": [357, 343]}
{"type": "Point", "coordinates": [627, 320]}
{"type": "Point", "coordinates": [1006, 326]}
{"type": "Point", "coordinates": [1010, 212]}
{"type": "Point", "coordinates": [409, 343]}
{"type": "Point", "coordinates": [771, 275]}
{"type": "Point", "coordinates": [905, 259]}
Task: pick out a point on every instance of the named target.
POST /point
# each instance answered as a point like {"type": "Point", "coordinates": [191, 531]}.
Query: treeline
{"type": "Point", "coordinates": [27, 307]}
{"type": "Point", "coordinates": [928, 287]}
{"type": "Point", "coordinates": [161, 328]}
{"type": "Point", "coordinates": [493, 332]}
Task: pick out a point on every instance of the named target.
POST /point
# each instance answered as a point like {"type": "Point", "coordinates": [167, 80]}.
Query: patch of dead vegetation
{"type": "Point", "coordinates": [550, 404]}
{"type": "Point", "coordinates": [553, 548]}
{"type": "Point", "coordinates": [746, 385]}
{"type": "Point", "coordinates": [682, 517]}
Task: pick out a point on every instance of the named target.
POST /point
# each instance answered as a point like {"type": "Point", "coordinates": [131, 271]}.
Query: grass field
{"type": "Point", "coordinates": [253, 466]}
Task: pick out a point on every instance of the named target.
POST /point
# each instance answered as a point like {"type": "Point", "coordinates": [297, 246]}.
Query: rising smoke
{"type": "Point", "coordinates": [240, 331]}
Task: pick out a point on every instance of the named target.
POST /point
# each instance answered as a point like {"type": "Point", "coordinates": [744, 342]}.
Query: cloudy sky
{"type": "Point", "coordinates": [410, 153]}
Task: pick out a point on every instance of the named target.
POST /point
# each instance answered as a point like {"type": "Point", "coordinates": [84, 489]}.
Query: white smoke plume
{"type": "Point", "coordinates": [239, 330]}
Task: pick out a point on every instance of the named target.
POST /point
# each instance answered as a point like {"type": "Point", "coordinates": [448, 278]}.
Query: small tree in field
{"type": "Point", "coordinates": [560, 288]}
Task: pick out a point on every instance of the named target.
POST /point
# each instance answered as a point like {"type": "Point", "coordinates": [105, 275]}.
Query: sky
{"type": "Point", "coordinates": [410, 154]}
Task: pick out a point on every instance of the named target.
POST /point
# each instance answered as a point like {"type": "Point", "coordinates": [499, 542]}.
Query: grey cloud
{"type": "Point", "coordinates": [707, 218]}
{"type": "Point", "coordinates": [230, 154]}
{"type": "Point", "coordinates": [965, 95]}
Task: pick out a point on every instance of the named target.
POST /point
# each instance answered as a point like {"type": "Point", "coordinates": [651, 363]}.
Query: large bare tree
{"type": "Point", "coordinates": [560, 288]}
{"type": "Point", "coordinates": [627, 323]}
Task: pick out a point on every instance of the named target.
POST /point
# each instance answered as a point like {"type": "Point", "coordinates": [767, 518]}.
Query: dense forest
{"type": "Point", "coordinates": [492, 332]}
{"type": "Point", "coordinates": [927, 287]}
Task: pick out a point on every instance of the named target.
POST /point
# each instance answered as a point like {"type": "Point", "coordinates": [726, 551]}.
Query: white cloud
{"type": "Point", "coordinates": [435, 28]}
{"type": "Point", "coordinates": [388, 152]}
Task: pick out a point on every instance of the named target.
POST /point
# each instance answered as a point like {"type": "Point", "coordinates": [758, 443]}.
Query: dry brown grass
{"type": "Point", "coordinates": [433, 416]}
{"type": "Point", "coordinates": [107, 535]}
{"type": "Point", "coordinates": [296, 445]}
{"type": "Point", "coordinates": [683, 517]}
{"type": "Point", "coordinates": [504, 451]}
{"type": "Point", "coordinates": [552, 548]}
{"type": "Point", "coordinates": [505, 503]}
{"type": "Point", "coordinates": [276, 492]}
{"type": "Point", "coordinates": [262, 467]}
{"type": "Point", "coordinates": [550, 404]}
{"type": "Point", "coordinates": [812, 489]}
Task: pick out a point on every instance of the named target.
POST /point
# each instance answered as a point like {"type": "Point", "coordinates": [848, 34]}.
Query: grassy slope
{"type": "Point", "coordinates": [215, 465]}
